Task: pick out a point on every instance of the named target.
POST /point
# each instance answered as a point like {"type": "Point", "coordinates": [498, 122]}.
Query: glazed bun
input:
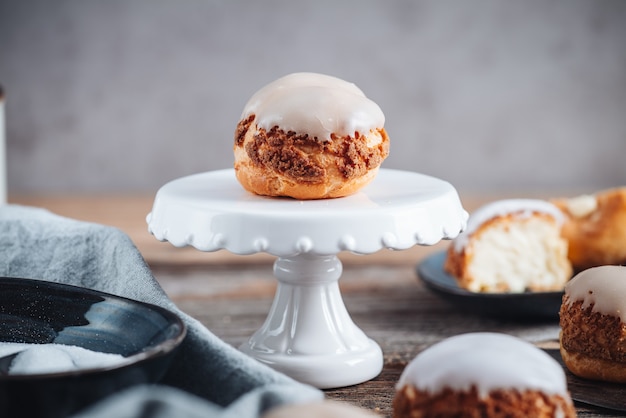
{"type": "Point", "coordinates": [593, 324]}
{"type": "Point", "coordinates": [325, 408]}
{"type": "Point", "coordinates": [309, 136]}
{"type": "Point", "coordinates": [595, 228]}
{"type": "Point", "coordinates": [483, 374]}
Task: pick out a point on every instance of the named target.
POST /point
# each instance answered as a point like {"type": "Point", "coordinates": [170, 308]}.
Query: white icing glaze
{"type": "Point", "coordinates": [488, 361]}
{"type": "Point", "coordinates": [522, 207]}
{"type": "Point", "coordinates": [582, 206]}
{"type": "Point", "coordinates": [315, 104]}
{"type": "Point", "coordinates": [603, 287]}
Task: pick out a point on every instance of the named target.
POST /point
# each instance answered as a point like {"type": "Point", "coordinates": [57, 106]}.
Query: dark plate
{"type": "Point", "coordinates": [521, 306]}
{"type": "Point", "coordinates": [33, 311]}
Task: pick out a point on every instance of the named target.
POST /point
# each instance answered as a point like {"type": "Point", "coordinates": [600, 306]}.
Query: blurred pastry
{"type": "Point", "coordinates": [322, 409]}
{"type": "Point", "coordinates": [512, 246]}
{"type": "Point", "coordinates": [483, 375]}
{"type": "Point", "coordinates": [595, 228]}
{"type": "Point", "coordinates": [593, 324]}
{"type": "Point", "coordinates": [309, 136]}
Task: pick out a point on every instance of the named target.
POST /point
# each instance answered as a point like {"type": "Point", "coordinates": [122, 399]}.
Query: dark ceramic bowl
{"type": "Point", "coordinates": [527, 306]}
{"type": "Point", "coordinates": [33, 311]}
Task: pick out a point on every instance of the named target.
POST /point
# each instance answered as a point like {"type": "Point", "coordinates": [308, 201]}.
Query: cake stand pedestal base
{"type": "Point", "coordinates": [308, 333]}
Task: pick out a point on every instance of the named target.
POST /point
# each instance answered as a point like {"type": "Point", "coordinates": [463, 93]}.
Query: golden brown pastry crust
{"type": "Point", "coordinates": [279, 163]}
{"type": "Point", "coordinates": [410, 402]}
{"type": "Point", "coordinates": [599, 237]}
{"type": "Point", "coordinates": [592, 344]}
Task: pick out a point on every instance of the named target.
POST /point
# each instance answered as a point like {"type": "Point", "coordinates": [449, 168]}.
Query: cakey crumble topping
{"type": "Point", "coordinates": [296, 155]}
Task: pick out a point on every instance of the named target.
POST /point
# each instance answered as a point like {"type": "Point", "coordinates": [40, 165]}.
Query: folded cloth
{"type": "Point", "coordinates": [208, 377]}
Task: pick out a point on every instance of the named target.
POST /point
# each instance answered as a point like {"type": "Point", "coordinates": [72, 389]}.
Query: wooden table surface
{"type": "Point", "coordinates": [232, 294]}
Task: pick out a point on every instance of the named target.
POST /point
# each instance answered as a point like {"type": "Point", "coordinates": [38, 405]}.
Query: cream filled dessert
{"type": "Point", "coordinates": [595, 228]}
{"type": "Point", "coordinates": [482, 374]}
{"type": "Point", "coordinates": [593, 324]}
{"type": "Point", "coordinates": [309, 136]}
{"type": "Point", "coordinates": [512, 245]}
{"type": "Point", "coordinates": [326, 409]}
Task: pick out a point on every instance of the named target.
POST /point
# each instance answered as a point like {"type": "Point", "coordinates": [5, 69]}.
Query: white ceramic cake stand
{"type": "Point", "coordinates": [308, 333]}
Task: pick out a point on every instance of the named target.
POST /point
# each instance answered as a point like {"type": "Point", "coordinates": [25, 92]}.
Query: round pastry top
{"type": "Point", "coordinates": [316, 104]}
{"type": "Point", "coordinates": [399, 209]}
{"type": "Point", "coordinates": [486, 360]}
{"type": "Point", "coordinates": [603, 287]}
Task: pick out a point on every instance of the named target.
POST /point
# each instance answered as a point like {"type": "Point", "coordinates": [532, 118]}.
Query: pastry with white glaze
{"type": "Point", "coordinates": [593, 324]}
{"type": "Point", "coordinates": [595, 228]}
{"type": "Point", "coordinates": [322, 409]}
{"type": "Point", "coordinates": [485, 375]}
{"type": "Point", "coordinates": [512, 245]}
{"type": "Point", "coordinates": [309, 136]}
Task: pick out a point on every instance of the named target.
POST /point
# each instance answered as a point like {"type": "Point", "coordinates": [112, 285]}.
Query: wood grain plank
{"type": "Point", "coordinates": [387, 302]}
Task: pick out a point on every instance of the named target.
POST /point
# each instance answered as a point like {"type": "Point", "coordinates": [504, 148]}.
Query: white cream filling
{"type": "Point", "coordinates": [515, 256]}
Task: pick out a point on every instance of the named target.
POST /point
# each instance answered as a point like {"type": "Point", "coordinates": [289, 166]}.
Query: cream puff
{"type": "Point", "coordinates": [483, 374]}
{"type": "Point", "coordinates": [593, 324]}
{"type": "Point", "coordinates": [309, 136]}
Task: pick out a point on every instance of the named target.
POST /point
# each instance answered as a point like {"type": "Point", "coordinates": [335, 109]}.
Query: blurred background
{"type": "Point", "coordinates": [121, 96]}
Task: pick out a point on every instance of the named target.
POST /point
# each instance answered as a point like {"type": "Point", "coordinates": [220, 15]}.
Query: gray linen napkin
{"type": "Point", "coordinates": [214, 380]}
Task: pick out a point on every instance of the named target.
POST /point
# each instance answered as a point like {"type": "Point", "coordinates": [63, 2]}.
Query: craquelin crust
{"type": "Point", "coordinates": [410, 402]}
{"type": "Point", "coordinates": [598, 238]}
{"type": "Point", "coordinates": [592, 344]}
{"type": "Point", "coordinates": [279, 163]}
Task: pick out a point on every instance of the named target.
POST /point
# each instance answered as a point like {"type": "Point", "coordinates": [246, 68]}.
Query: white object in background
{"type": "Point", "coordinates": [3, 154]}
{"type": "Point", "coordinates": [308, 333]}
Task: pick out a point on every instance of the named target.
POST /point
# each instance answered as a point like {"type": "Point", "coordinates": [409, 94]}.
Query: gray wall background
{"type": "Point", "coordinates": [125, 95]}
